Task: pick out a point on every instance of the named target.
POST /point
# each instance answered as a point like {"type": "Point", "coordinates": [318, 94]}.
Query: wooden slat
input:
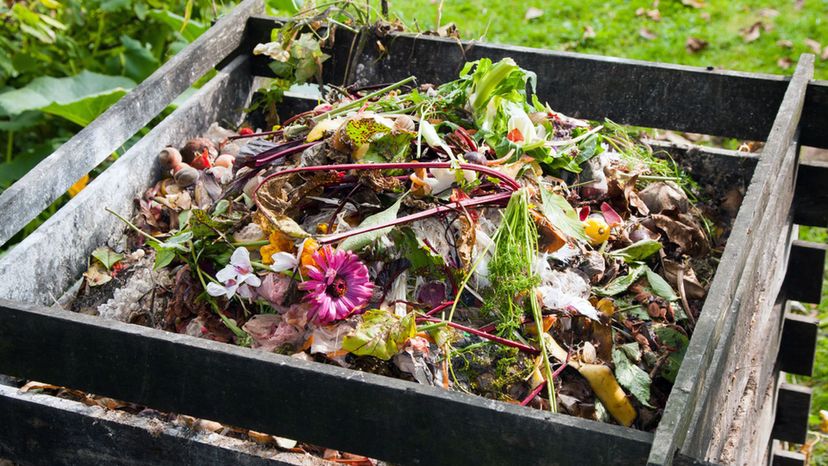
{"type": "Point", "coordinates": [43, 265]}
{"type": "Point", "coordinates": [798, 347]}
{"type": "Point", "coordinates": [787, 458]}
{"type": "Point", "coordinates": [766, 194]}
{"type": "Point", "coordinates": [385, 418]}
{"type": "Point", "coordinates": [793, 403]}
{"type": "Point", "coordinates": [47, 181]}
{"type": "Point", "coordinates": [632, 92]}
{"type": "Point", "coordinates": [47, 430]}
{"type": "Point", "coordinates": [806, 268]}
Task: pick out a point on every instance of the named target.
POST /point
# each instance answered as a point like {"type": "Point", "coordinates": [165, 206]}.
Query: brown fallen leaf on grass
{"type": "Point", "coordinates": [693, 3]}
{"type": "Point", "coordinates": [784, 62]}
{"type": "Point", "coordinates": [589, 33]}
{"type": "Point", "coordinates": [813, 45]}
{"type": "Point", "coordinates": [768, 13]}
{"type": "Point", "coordinates": [824, 55]}
{"type": "Point", "coordinates": [647, 34]}
{"type": "Point", "coordinates": [694, 44]}
{"type": "Point", "coordinates": [753, 32]}
{"type": "Point", "coordinates": [785, 43]}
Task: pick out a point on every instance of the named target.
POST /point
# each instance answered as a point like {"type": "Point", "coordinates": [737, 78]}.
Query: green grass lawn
{"type": "Point", "coordinates": [618, 28]}
{"type": "Point", "coordinates": [788, 29]}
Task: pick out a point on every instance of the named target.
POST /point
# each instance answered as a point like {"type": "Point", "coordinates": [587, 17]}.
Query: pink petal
{"type": "Point", "coordinates": [584, 212]}
{"type": "Point", "coordinates": [610, 215]}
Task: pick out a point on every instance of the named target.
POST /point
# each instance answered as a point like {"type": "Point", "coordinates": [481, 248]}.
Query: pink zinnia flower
{"type": "Point", "coordinates": [338, 285]}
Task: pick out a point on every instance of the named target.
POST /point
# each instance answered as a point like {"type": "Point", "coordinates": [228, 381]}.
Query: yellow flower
{"type": "Point", "coordinates": [78, 186]}
{"type": "Point", "coordinates": [279, 242]}
{"type": "Point", "coordinates": [597, 230]}
{"type": "Point", "coordinates": [309, 247]}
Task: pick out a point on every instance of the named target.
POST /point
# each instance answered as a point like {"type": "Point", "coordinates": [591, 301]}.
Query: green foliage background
{"type": "Point", "coordinates": [63, 62]}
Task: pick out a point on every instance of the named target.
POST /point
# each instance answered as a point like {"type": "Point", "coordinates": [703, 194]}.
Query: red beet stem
{"type": "Point", "coordinates": [487, 336]}
{"type": "Point", "coordinates": [535, 391]}
{"type": "Point", "coordinates": [264, 160]}
{"type": "Point", "coordinates": [439, 308]}
{"type": "Point", "coordinates": [255, 135]}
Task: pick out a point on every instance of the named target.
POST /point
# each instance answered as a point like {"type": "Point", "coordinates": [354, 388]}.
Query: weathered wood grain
{"type": "Point", "coordinates": [798, 347]}
{"type": "Point", "coordinates": [806, 267]}
{"type": "Point", "coordinates": [793, 403]}
{"type": "Point", "coordinates": [657, 95]}
{"type": "Point", "coordinates": [47, 181]}
{"type": "Point", "coordinates": [47, 430]}
{"type": "Point", "coordinates": [386, 418]}
{"type": "Point", "coordinates": [44, 264]}
{"type": "Point", "coordinates": [762, 216]}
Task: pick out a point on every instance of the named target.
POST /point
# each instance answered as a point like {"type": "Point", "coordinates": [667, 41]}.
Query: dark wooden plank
{"type": "Point", "coordinates": [632, 92]}
{"type": "Point", "coordinates": [381, 417]}
{"type": "Point", "coordinates": [793, 403]}
{"type": "Point", "coordinates": [811, 202]}
{"type": "Point", "coordinates": [798, 347]}
{"type": "Point", "coordinates": [787, 458]}
{"type": "Point", "coordinates": [47, 181]}
{"type": "Point", "coordinates": [723, 303]}
{"type": "Point", "coordinates": [806, 267]}
{"type": "Point", "coordinates": [46, 430]}
{"type": "Point", "coordinates": [83, 224]}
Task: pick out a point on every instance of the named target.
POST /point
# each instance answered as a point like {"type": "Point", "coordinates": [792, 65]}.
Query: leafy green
{"type": "Point", "coordinates": [83, 111]}
{"type": "Point", "coordinates": [677, 341]}
{"type": "Point", "coordinates": [631, 377]}
{"type": "Point", "coordinates": [562, 215]}
{"type": "Point", "coordinates": [107, 256]}
{"type": "Point", "coordinates": [380, 334]}
{"type": "Point", "coordinates": [620, 284]}
{"type": "Point", "coordinates": [45, 91]}
{"type": "Point", "coordinates": [357, 242]}
{"type": "Point", "coordinates": [638, 251]}
{"type": "Point", "coordinates": [660, 286]}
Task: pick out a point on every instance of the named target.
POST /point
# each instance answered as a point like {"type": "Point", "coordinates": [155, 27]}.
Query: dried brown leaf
{"type": "Point", "coordinates": [824, 55]}
{"type": "Point", "coordinates": [640, 11]}
{"type": "Point", "coordinates": [647, 34]}
{"type": "Point", "coordinates": [694, 44]}
{"type": "Point", "coordinates": [589, 33]}
{"type": "Point", "coordinates": [768, 13]}
{"type": "Point", "coordinates": [784, 62]}
{"type": "Point", "coordinates": [654, 15]}
{"type": "Point", "coordinates": [785, 43]}
{"type": "Point", "coordinates": [814, 45]}
{"type": "Point", "coordinates": [752, 33]}
{"type": "Point", "coordinates": [693, 3]}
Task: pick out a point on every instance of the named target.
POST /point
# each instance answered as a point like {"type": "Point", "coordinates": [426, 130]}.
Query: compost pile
{"type": "Point", "coordinates": [464, 236]}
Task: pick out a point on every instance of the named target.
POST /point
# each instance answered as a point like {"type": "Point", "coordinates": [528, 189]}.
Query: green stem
{"type": "Point", "coordinates": [426, 328]}
{"type": "Point", "coordinates": [357, 103]}
{"type": "Point", "coordinates": [241, 334]}
{"type": "Point", "coordinates": [131, 225]}
{"type": "Point", "coordinates": [263, 242]}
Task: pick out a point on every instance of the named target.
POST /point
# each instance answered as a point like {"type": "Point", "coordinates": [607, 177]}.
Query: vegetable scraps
{"type": "Point", "coordinates": [464, 236]}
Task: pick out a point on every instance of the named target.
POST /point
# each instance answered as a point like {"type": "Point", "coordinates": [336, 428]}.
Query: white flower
{"type": "Point", "coordinates": [237, 276]}
{"type": "Point", "coordinates": [519, 120]}
{"type": "Point", "coordinates": [431, 137]}
{"type": "Point", "coordinates": [284, 261]}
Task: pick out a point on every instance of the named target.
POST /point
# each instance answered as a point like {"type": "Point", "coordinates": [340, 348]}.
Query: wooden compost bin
{"type": "Point", "coordinates": [728, 402]}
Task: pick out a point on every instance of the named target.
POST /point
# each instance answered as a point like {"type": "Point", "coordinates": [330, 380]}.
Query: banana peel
{"type": "Point", "coordinates": [602, 381]}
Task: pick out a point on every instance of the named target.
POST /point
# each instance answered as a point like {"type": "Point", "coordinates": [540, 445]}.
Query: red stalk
{"type": "Point", "coordinates": [439, 308]}
{"type": "Point", "coordinates": [264, 160]}
{"type": "Point", "coordinates": [535, 391]}
{"type": "Point", "coordinates": [487, 336]}
{"type": "Point", "coordinates": [255, 135]}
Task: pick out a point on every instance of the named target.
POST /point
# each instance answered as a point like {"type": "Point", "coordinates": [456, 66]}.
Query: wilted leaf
{"type": "Point", "coordinates": [647, 34]}
{"type": "Point", "coordinates": [107, 256]}
{"type": "Point", "coordinates": [694, 44]}
{"type": "Point", "coordinates": [380, 334]}
{"type": "Point", "coordinates": [631, 377]}
{"type": "Point", "coordinates": [638, 251]}
{"type": "Point", "coordinates": [562, 215]}
{"type": "Point", "coordinates": [784, 43]}
{"type": "Point", "coordinates": [97, 274]}
{"type": "Point", "coordinates": [357, 242]}
{"type": "Point", "coordinates": [784, 62]}
{"type": "Point", "coordinates": [532, 13]}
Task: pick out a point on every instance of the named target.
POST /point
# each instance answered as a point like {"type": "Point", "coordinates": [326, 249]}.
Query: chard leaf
{"type": "Point", "coordinates": [562, 215]}
{"type": "Point", "coordinates": [638, 251]}
{"type": "Point", "coordinates": [620, 284]}
{"type": "Point", "coordinates": [357, 242]}
{"type": "Point", "coordinates": [380, 334]}
{"type": "Point", "coordinates": [107, 256]}
{"type": "Point", "coordinates": [632, 377]}
{"type": "Point", "coordinates": [660, 286]}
